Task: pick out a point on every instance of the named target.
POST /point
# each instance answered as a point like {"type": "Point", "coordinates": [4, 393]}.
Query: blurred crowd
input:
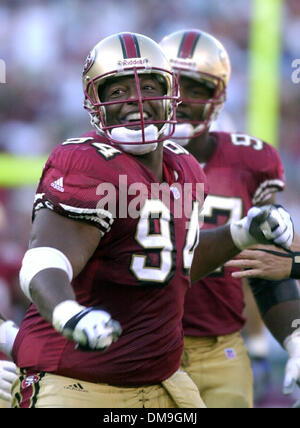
{"type": "Point", "coordinates": [44, 44]}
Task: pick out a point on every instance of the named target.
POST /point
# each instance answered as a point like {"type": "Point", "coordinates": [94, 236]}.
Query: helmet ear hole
{"type": "Point", "coordinates": [102, 85]}
{"type": "Point", "coordinates": [100, 91]}
{"type": "Point", "coordinates": [162, 81]}
{"type": "Point", "coordinates": [211, 89]}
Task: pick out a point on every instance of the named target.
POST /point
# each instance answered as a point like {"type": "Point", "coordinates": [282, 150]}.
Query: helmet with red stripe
{"type": "Point", "coordinates": [201, 57]}
{"type": "Point", "coordinates": [130, 54]}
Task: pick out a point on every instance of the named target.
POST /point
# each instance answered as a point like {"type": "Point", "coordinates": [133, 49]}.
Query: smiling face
{"type": "Point", "coordinates": [194, 94]}
{"type": "Point", "coordinates": [130, 101]}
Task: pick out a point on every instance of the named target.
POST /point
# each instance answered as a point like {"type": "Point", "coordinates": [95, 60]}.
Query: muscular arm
{"type": "Point", "coordinates": [280, 319]}
{"type": "Point", "coordinates": [214, 249]}
{"type": "Point", "coordinates": [76, 240]}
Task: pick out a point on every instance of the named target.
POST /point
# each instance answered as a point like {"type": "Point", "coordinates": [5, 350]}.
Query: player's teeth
{"type": "Point", "coordinates": [136, 116]}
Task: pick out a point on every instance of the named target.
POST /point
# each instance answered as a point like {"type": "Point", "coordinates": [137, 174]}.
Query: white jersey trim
{"type": "Point", "coordinates": [266, 189]}
{"type": "Point", "coordinates": [103, 218]}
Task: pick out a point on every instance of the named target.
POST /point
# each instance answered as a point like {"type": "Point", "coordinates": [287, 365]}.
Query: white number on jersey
{"type": "Point", "coordinates": [192, 239]}
{"type": "Point", "coordinates": [162, 243]}
{"type": "Point", "coordinates": [107, 151]}
{"type": "Point", "coordinates": [77, 141]}
{"type": "Point", "coordinates": [229, 207]}
{"type": "Point", "coordinates": [175, 148]}
{"type": "Point", "coordinates": [247, 140]}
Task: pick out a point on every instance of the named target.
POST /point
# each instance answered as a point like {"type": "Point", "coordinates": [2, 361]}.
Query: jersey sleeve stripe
{"type": "Point", "coordinates": [96, 216]}
{"type": "Point", "coordinates": [266, 188]}
{"type": "Point", "coordinates": [98, 211]}
{"type": "Point", "coordinates": [38, 196]}
{"type": "Point", "coordinates": [101, 217]}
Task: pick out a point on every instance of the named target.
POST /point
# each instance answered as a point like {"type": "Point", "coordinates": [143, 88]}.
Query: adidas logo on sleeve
{"type": "Point", "coordinates": [58, 184]}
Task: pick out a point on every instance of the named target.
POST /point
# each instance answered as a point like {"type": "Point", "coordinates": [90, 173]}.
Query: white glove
{"type": "Point", "coordinates": [269, 224]}
{"type": "Point", "coordinates": [91, 328]}
{"type": "Point", "coordinates": [8, 333]}
{"type": "Point", "coordinates": [292, 375]}
{"type": "Point", "coordinates": [8, 374]}
{"type": "Point", "coordinates": [292, 370]}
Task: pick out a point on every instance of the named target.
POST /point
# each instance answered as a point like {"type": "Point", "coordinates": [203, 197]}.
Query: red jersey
{"type": "Point", "coordinates": [139, 272]}
{"type": "Point", "coordinates": [242, 172]}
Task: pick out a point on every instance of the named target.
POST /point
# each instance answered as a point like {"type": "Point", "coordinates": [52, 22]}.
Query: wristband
{"type": "Point", "coordinates": [41, 258]}
{"type": "Point", "coordinates": [295, 272]}
{"type": "Point", "coordinates": [241, 237]}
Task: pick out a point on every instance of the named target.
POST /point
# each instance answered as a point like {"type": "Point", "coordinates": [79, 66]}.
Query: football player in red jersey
{"type": "Point", "coordinates": [242, 171]}
{"type": "Point", "coordinates": [109, 262]}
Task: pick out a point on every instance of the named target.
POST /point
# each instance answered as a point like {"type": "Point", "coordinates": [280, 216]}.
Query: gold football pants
{"type": "Point", "coordinates": [221, 369]}
{"type": "Point", "coordinates": [4, 404]}
{"type": "Point", "coordinates": [46, 390]}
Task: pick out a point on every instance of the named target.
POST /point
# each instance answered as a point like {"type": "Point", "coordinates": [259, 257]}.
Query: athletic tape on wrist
{"type": "Point", "coordinates": [240, 236]}
{"type": "Point", "coordinates": [39, 259]}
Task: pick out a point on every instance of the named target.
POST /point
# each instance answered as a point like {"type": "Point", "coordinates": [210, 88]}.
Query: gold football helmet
{"type": "Point", "coordinates": [129, 54]}
{"type": "Point", "coordinates": [200, 56]}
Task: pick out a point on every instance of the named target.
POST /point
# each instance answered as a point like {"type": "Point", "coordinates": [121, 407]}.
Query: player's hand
{"type": "Point", "coordinates": [268, 224]}
{"type": "Point", "coordinates": [91, 328]}
{"type": "Point", "coordinates": [8, 374]}
{"type": "Point", "coordinates": [271, 224]}
{"type": "Point", "coordinates": [267, 262]}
